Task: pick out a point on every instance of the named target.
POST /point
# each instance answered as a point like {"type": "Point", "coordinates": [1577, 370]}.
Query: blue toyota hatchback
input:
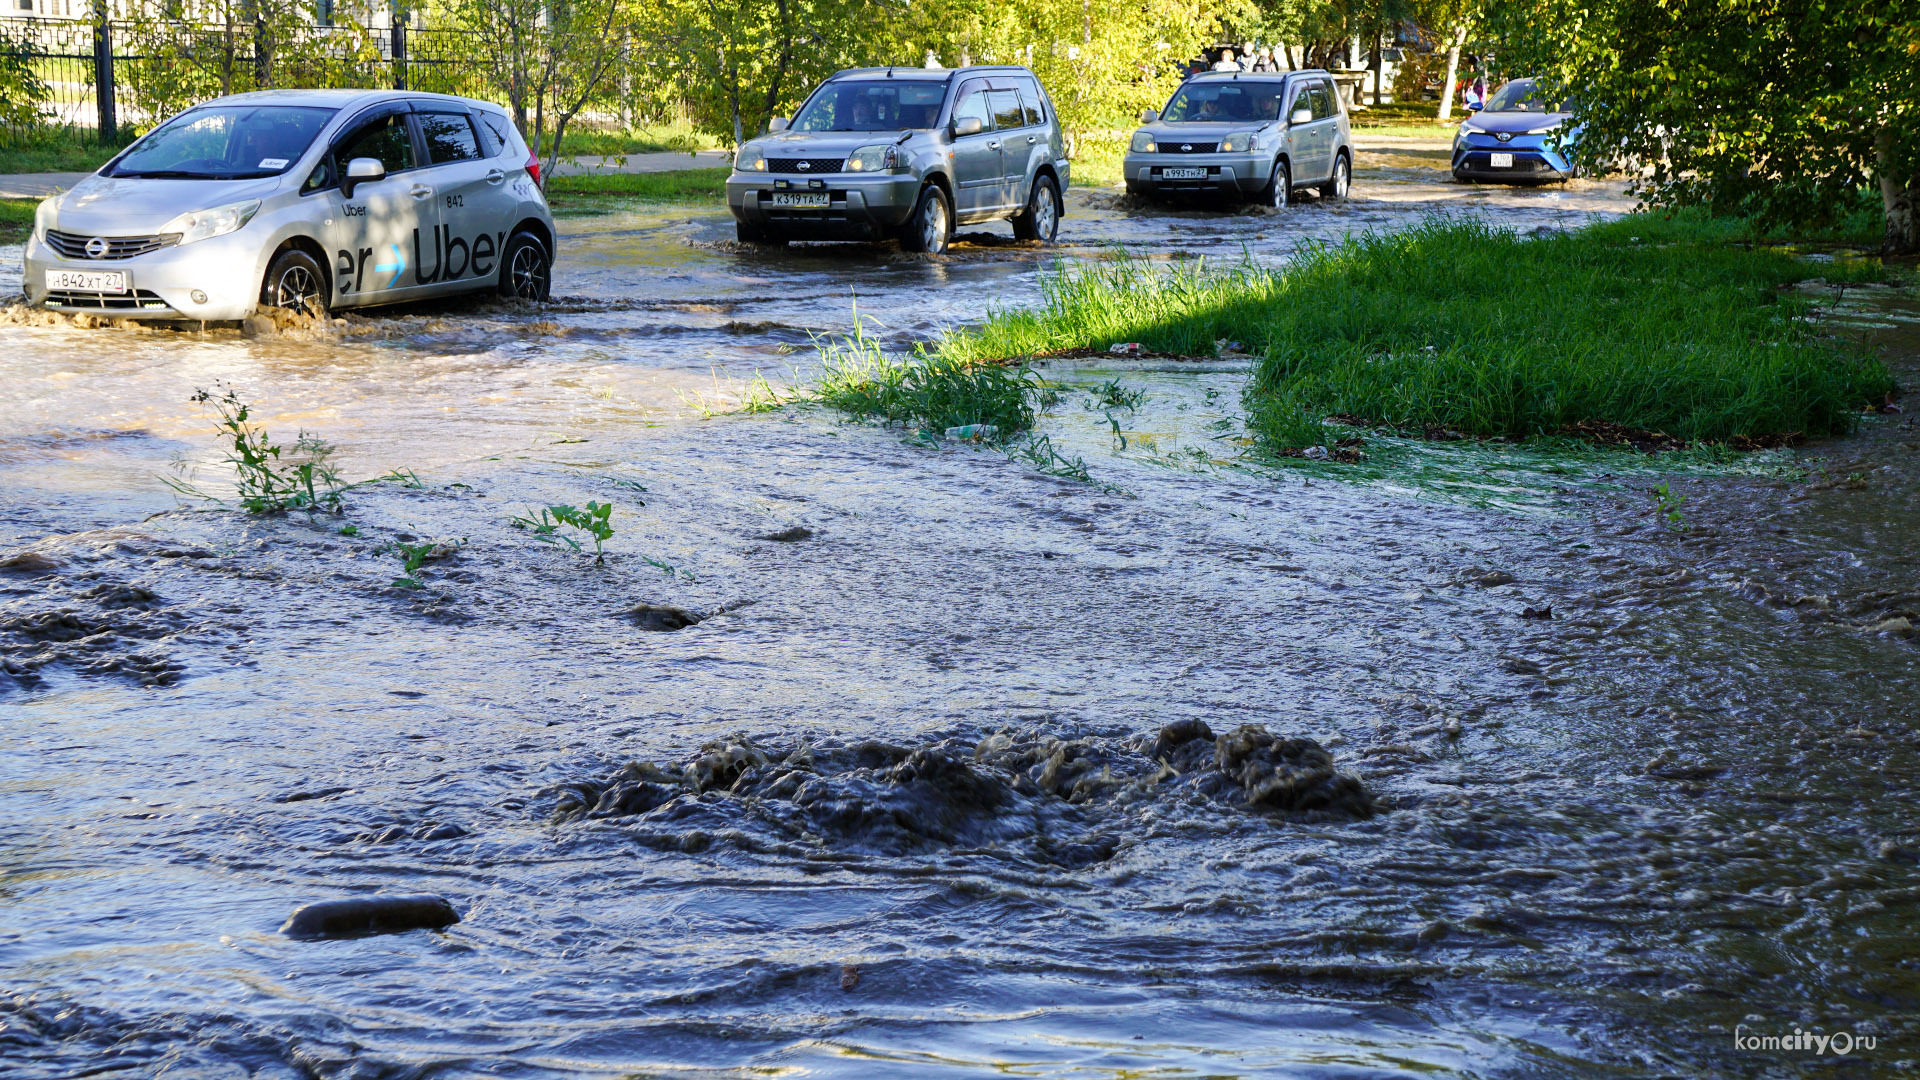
{"type": "Point", "coordinates": [1518, 138]}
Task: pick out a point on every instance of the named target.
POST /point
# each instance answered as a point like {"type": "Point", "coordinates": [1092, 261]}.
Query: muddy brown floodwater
{"type": "Point", "coordinates": [862, 757]}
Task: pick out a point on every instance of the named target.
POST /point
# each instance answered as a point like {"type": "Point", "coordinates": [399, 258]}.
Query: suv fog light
{"type": "Point", "coordinates": [199, 297]}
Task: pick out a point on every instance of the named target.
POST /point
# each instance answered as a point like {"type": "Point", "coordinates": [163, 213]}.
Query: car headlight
{"type": "Point", "coordinates": [880, 157]}
{"type": "Point", "coordinates": [206, 224]}
{"type": "Point", "coordinates": [1548, 130]}
{"type": "Point", "coordinates": [754, 162]}
{"type": "Point", "coordinates": [43, 217]}
{"type": "Point", "coordinates": [1237, 143]}
{"type": "Point", "coordinates": [1470, 128]}
{"type": "Point", "coordinates": [1142, 142]}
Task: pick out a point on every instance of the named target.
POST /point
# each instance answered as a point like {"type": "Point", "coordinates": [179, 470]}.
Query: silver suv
{"type": "Point", "coordinates": [906, 152]}
{"type": "Point", "coordinates": [1256, 135]}
{"type": "Point", "coordinates": [308, 199]}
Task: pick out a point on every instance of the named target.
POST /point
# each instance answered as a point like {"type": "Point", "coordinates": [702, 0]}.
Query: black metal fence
{"type": "Point", "coordinates": [102, 77]}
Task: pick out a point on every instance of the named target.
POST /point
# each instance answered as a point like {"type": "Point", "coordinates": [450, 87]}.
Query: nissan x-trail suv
{"type": "Point", "coordinates": [907, 153]}
{"type": "Point", "coordinates": [1259, 136]}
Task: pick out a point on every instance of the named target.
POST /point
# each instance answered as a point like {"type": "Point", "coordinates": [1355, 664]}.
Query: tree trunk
{"type": "Point", "coordinates": [1453, 72]}
{"type": "Point", "coordinates": [786, 56]}
{"type": "Point", "coordinates": [1899, 191]}
{"type": "Point", "coordinates": [1379, 62]}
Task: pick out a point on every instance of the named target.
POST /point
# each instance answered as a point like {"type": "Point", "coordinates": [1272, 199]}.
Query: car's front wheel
{"type": "Point", "coordinates": [930, 228]}
{"type": "Point", "coordinates": [1338, 184]}
{"type": "Point", "coordinates": [526, 268]}
{"type": "Point", "coordinates": [1279, 189]}
{"type": "Point", "coordinates": [1041, 219]}
{"type": "Point", "coordinates": [295, 282]}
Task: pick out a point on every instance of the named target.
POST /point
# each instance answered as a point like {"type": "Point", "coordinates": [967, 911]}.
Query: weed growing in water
{"type": "Point", "coordinates": [268, 477]}
{"type": "Point", "coordinates": [668, 568]}
{"type": "Point", "coordinates": [349, 530]}
{"type": "Point", "coordinates": [1669, 503]}
{"type": "Point", "coordinates": [927, 391]}
{"type": "Point", "coordinates": [594, 521]}
{"type": "Point", "coordinates": [414, 556]}
{"type": "Point", "coordinates": [1112, 395]}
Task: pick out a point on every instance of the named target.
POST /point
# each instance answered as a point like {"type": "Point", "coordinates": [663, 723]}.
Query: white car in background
{"type": "Point", "coordinates": [303, 199]}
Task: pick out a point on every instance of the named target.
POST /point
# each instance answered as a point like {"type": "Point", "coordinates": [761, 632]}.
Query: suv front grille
{"type": "Point", "coordinates": [814, 165]}
{"type": "Point", "coordinates": [139, 299]}
{"type": "Point", "coordinates": [1186, 147]}
{"type": "Point", "coordinates": [74, 245]}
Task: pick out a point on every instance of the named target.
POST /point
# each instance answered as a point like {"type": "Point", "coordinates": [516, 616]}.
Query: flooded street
{"type": "Point", "coordinates": [922, 690]}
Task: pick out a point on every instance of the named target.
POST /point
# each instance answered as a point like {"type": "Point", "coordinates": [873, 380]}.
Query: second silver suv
{"type": "Point", "coordinates": [906, 152]}
{"type": "Point", "coordinates": [1255, 135]}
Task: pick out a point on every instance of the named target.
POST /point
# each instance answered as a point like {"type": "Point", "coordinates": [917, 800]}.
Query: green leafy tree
{"type": "Point", "coordinates": [23, 94]}
{"type": "Point", "coordinates": [1787, 109]}
{"type": "Point", "coordinates": [550, 58]}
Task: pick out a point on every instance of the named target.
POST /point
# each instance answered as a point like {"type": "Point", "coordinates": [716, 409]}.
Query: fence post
{"type": "Point", "coordinates": [399, 18]}
{"type": "Point", "coordinates": [103, 89]}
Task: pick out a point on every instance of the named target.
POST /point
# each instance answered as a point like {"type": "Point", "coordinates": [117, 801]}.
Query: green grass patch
{"type": "Point", "coordinates": [55, 149]}
{"type": "Point", "coordinates": [680, 185]}
{"type": "Point", "coordinates": [1653, 322]}
{"type": "Point", "coordinates": [16, 219]}
{"type": "Point", "coordinates": [657, 139]}
{"type": "Point", "coordinates": [922, 392]}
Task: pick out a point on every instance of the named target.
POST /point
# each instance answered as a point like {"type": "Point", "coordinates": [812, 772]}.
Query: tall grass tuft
{"type": "Point", "coordinates": [927, 391]}
{"type": "Point", "coordinates": [1651, 322]}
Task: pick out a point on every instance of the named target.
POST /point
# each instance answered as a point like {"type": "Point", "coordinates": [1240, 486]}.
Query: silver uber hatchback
{"type": "Point", "coordinates": [1256, 135]}
{"type": "Point", "coordinates": [307, 199]}
{"type": "Point", "coordinates": [906, 152]}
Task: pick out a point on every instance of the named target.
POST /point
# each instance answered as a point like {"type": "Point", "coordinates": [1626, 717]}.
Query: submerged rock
{"type": "Point", "coordinates": [661, 617]}
{"type": "Point", "coordinates": [1033, 796]}
{"type": "Point", "coordinates": [360, 916]}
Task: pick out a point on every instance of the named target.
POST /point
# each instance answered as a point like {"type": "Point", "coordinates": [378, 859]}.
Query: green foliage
{"type": "Point", "coordinates": [1669, 504]}
{"type": "Point", "coordinates": [414, 556]}
{"type": "Point", "coordinates": [1112, 395]}
{"type": "Point", "coordinates": [927, 392]}
{"type": "Point", "coordinates": [23, 93]}
{"type": "Point", "coordinates": [1649, 322]}
{"type": "Point", "coordinates": [269, 478]}
{"type": "Point", "coordinates": [595, 521]}
{"type": "Point", "coordinates": [680, 185]}
{"type": "Point", "coordinates": [1778, 110]}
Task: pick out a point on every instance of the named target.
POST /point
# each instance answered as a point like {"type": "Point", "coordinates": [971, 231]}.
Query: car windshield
{"type": "Point", "coordinates": [1518, 96]}
{"type": "Point", "coordinates": [874, 105]}
{"type": "Point", "coordinates": [225, 142]}
{"type": "Point", "coordinates": [1238, 101]}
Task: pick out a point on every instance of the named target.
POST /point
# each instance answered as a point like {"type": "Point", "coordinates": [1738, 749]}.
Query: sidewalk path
{"type": "Point", "coordinates": [40, 185]}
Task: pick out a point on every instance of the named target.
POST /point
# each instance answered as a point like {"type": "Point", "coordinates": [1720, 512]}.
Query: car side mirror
{"type": "Point", "coordinates": [362, 170]}
{"type": "Point", "coordinates": [968, 125]}
{"type": "Point", "coordinates": [1148, 116]}
{"type": "Point", "coordinates": [778, 123]}
{"type": "Point", "coordinates": [1301, 116]}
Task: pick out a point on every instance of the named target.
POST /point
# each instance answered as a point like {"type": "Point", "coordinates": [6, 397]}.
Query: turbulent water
{"type": "Point", "coordinates": [860, 756]}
